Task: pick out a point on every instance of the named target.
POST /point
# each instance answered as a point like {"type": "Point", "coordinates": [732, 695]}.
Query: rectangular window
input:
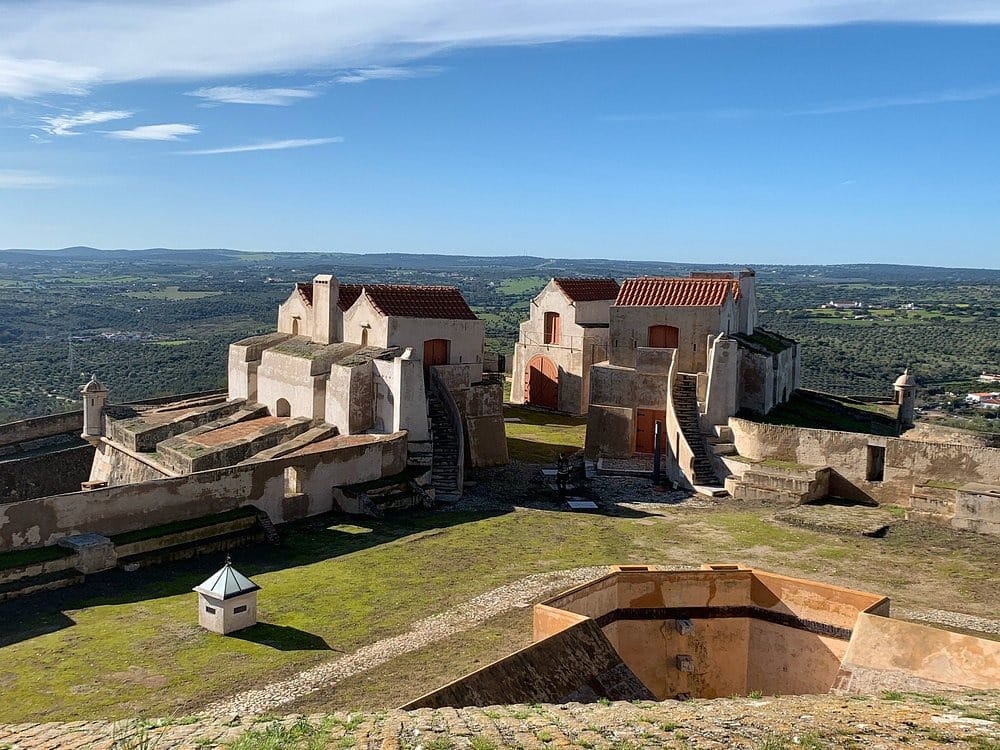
{"type": "Point", "coordinates": [552, 328]}
{"type": "Point", "coordinates": [210, 610]}
{"type": "Point", "coordinates": [875, 471]}
{"type": "Point", "coordinates": [241, 608]}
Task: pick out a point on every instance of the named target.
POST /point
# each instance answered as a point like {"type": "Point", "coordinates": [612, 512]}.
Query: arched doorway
{"type": "Point", "coordinates": [295, 326]}
{"type": "Point", "coordinates": [541, 383]}
{"type": "Point", "coordinates": [662, 337]}
{"type": "Point", "coordinates": [282, 408]}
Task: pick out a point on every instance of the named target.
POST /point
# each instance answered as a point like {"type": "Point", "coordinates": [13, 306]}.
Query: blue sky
{"type": "Point", "coordinates": [785, 131]}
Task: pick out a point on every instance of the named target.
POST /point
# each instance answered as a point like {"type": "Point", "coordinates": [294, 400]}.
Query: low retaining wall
{"type": "Point", "coordinates": [266, 484]}
{"type": "Point", "coordinates": [40, 427]}
{"type": "Point", "coordinates": [906, 462]}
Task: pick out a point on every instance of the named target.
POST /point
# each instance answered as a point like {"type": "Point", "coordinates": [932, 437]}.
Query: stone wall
{"type": "Point", "coordinates": [115, 510]}
{"type": "Point", "coordinates": [848, 454]}
{"type": "Point", "coordinates": [40, 427]}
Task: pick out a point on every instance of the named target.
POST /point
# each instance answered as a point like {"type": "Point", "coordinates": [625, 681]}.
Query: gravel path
{"type": "Point", "coordinates": [437, 627]}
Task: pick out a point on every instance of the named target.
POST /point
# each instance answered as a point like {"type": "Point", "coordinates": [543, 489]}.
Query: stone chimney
{"type": "Point", "coordinates": [748, 300]}
{"type": "Point", "coordinates": [327, 317]}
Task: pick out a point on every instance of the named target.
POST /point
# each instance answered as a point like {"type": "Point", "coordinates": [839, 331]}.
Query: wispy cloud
{"type": "Point", "coordinates": [382, 73]}
{"type": "Point", "coordinates": [267, 146]}
{"type": "Point", "coordinates": [18, 179]}
{"type": "Point", "coordinates": [68, 124]}
{"type": "Point", "coordinates": [69, 47]}
{"type": "Point", "coordinates": [249, 95]}
{"type": "Point", "coordinates": [916, 100]}
{"type": "Point", "coordinates": [950, 96]}
{"type": "Point", "coordinates": [171, 131]}
{"type": "Point", "coordinates": [35, 138]}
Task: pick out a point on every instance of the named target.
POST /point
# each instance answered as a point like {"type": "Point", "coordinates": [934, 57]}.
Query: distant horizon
{"type": "Point", "coordinates": [438, 254]}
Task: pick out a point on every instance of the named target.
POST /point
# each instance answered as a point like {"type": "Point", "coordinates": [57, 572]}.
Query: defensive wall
{"type": "Point", "coordinates": [869, 467]}
{"type": "Point", "coordinates": [287, 488]}
{"type": "Point", "coordinates": [43, 456]}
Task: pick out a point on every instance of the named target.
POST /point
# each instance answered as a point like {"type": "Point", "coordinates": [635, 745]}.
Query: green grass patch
{"type": "Point", "coordinates": [173, 294]}
{"type": "Point", "coordinates": [541, 436]}
{"type": "Point", "coordinates": [178, 526]}
{"type": "Point", "coordinates": [24, 557]}
{"type": "Point", "coordinates": [525, 285]}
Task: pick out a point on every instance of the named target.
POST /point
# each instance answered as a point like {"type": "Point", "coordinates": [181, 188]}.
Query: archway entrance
{"type": "Point", "coordinates": [282, 408]}
{"type": "Point", "coordinates": [541, 383]}
{"type": "Point", "coordinates": [662, 337]}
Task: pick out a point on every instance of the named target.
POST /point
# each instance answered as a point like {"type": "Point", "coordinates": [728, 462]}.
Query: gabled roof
{"type": "Point", "coordinates": [651, 291]}
{"type": "Point", "coordinates": [405, 301]}
{"type": "Point", "coordinates": [226, 583]}
{"type": "Point", "coordinates": [588, 290]}
{"type": "Point", "coordinates": [349, 294]}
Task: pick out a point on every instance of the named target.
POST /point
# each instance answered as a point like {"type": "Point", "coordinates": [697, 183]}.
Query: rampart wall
{"type": "Point", "coordinates": [287, 488]}
{"type": "Point", "coordinates": [850, 454]}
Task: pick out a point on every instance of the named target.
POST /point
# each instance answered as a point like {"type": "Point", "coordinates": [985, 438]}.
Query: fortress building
{"type": "Point", "coordinates": [366, 398]}
{"type": "Point", "coordinates": [566, 333]}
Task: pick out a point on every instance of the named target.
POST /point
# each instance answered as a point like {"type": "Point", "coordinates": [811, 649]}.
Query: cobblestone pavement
{"type": "Point", "coordinates": [786, 723]}
{"type": "Point", "coordinates": [465, 616]}
{"type": "Point", "coordinates": [950, 619]}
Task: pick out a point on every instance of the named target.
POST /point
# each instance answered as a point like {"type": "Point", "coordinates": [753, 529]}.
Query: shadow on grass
{"type": "Point", "coordinates": [534, 452]}
{"type": "Point", "coordinates": [281, 637]}
{"type": "Point", "coordinates": [304, 542]}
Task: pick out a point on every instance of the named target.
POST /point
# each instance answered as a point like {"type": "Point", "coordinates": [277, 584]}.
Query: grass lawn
{"type": "Point", "coordinates": [541, 436]}
{"type": "Point", "coordinates": [127, 644]}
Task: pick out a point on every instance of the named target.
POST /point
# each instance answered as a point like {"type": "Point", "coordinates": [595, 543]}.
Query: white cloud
{"type": "Point", "coordinates": [267, 146]}
{"type": "Point", "coordinates": [18, 179]}
{"type": "Point", "coordinates": [166, 132]}
{"type": "Point", "coordinates": [938, 97]}
{"type": "Point", "coordinates": [382, 73]}
{"type": "Point", "coordinates": [58, 46]}
{"type": "Point", "coordinates": [67, 124]}
{"type": "Point", "coordinates": [35, 138]}
{"type": "Point", "coordinates": [251, 95]}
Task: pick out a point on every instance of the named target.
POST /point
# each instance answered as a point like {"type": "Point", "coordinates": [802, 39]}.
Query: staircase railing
{"type": "Point", "coordinates": [675, 434]}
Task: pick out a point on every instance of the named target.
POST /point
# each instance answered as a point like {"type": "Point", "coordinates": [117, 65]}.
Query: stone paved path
{"type": "Point", "coordinates": [788, 723]}
{"type": "Point", "coordinates": [950, 619]}
{"type": "Point", "coordinates": [426, 631]}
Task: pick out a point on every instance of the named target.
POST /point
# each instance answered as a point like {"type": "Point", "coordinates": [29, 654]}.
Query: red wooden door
{"type": "Point", "coordinates": [542, 386]}
{"type": "Point", "coordinates": [662, 337]}
{"type": "Point", "coordinates": [645, 420]}
{"type": "Point", "coordinates": [435, 353]}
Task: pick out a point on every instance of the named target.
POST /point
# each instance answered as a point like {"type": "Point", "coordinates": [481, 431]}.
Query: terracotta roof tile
{"type": "Point", "coordinates": [588, 290]}
{"type": "Point", "coordinates": [349, 294]}
{"type": "Point", "coordinates": [405, 301]}
{"type": "Point", "coordinates": [649, 291]}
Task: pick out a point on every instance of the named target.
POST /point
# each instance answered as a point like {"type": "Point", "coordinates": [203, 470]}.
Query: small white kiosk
{"type": "Point", "coordinates": [227, 601]}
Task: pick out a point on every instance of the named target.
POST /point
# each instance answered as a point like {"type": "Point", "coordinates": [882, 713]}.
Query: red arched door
{"type": "Point", "coordinates": [541, 386]}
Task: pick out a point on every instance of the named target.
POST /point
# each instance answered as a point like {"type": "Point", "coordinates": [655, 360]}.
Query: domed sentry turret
{"type": "Point", "coordinates": [95, 396]}
{"type": "Point", "coordinates": [905, 394]}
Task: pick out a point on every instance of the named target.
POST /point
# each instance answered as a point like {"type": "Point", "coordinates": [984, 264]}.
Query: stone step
{"type": "Point", "coordinates": [724, 449]}
{"type": "Point", "coordinates": [743, 491]}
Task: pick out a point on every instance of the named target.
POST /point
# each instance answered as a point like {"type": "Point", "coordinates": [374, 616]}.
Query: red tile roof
{"type": "Point", "coordinates": [650, 291]}
{"type": "Point", "coordinates": [588, 290]}
{"type": "Point", "coordinates": [405, 301]}
{"type": "Point", "coordinates": [349, 294]}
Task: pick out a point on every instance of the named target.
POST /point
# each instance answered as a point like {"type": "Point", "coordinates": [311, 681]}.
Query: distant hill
{"type": "Point", "coordinates": [514, 265]}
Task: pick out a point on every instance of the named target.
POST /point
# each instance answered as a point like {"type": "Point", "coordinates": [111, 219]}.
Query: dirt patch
{"type": "Point", "coordinates": [139, 677]}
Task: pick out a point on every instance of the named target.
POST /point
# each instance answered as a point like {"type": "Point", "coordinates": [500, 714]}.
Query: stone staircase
{"type": "Point", "coordinates": [780, 486]}
{"type": "Point", "coordinates": [446, 469]}
{"type": "Point", "coordinates": [265, 523]}
{"type": "Point", "coordinates": [685, 398]}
